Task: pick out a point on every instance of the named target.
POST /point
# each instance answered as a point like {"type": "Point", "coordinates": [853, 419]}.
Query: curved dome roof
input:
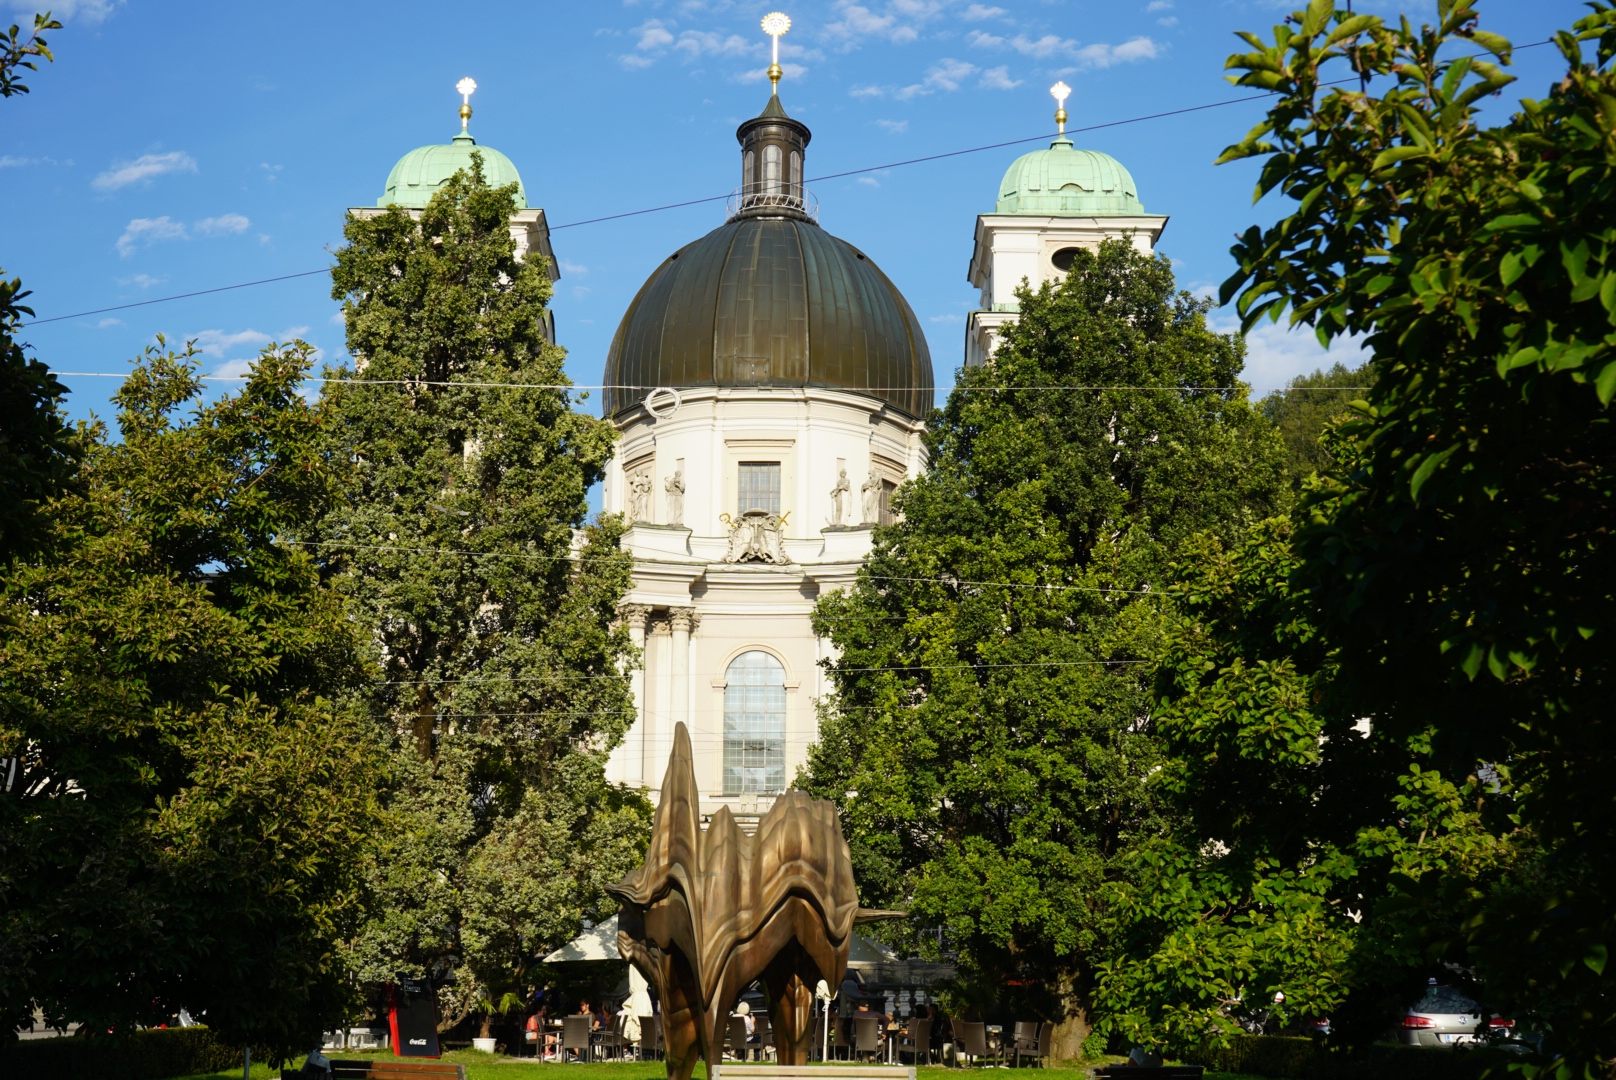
{"type": "Point", "coordinates": [421, 172]}
{"type": "Point", "coordinates": [770, 301]}
{"type": "Point", "coordinates": [1064, 180]}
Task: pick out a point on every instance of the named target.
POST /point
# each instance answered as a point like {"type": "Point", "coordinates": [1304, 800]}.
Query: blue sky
{"type": "Point", "coordinates": [181, 146]}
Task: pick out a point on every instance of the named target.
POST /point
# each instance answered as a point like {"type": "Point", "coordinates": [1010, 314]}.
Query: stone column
{"type": "Point", "coordinates": [682, 620]}
{"type": "Point", "coordinates": [635, 615]}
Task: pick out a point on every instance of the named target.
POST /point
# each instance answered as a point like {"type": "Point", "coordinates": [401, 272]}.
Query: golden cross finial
{"type": "Point", "coordinates": [465, 88]}
{"type": "Point", "coordinates": [1060, 92]}
{"type": "Point", "coordinates": [775, 24]}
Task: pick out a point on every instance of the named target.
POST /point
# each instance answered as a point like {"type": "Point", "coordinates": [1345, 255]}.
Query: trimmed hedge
{"type": "Point", "coordinates": [1288, 1058]}
{"type": "Point", "coordinates": [156, 1054]}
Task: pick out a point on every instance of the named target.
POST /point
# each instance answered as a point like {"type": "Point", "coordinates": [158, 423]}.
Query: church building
{"type": "Point", "coordinates": [770, 385]}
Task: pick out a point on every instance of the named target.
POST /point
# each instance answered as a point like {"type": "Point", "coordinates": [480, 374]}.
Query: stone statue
{"type": "Point", "coordinates": [756, 536]}
{"type": "Point", "coordinates": [639, 497]}
{"type": "Point", "coordinates": [675, 487]}
{"type": "Point", "coordinates": [872, 498]}
{"type": "Point", "coordinates": [711, 912]}
{"type": "Point", "coordinates": [841, 498]}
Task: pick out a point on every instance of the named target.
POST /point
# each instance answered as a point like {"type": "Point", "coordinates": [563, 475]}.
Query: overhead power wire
{"type": "Point", "coordinates": [720, 198]}
{"type": "Point", "coordinates": [629, 386]}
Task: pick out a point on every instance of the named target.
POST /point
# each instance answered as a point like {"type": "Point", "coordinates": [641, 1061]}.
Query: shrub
{"type": "Point", "coordinates": [155, 1054]}
{"type": "Point", "coordinates": [1289, 1058]}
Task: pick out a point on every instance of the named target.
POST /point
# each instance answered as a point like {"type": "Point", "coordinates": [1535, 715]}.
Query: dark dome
{"type": "Point", "coordinates": [770, 301]}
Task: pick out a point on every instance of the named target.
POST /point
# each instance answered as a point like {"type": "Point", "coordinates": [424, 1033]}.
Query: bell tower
{"type": "Point", "coordinates": [1052, 203]}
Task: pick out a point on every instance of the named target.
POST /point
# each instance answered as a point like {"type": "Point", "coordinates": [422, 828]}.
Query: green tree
{"type": "Point", "coordinates": [990, 736]}
{"type": "Point", "coordinates": [39, 449]}
{"type": "Point", "coordinates": [1438, 631]}
{"type": "Point", "coordinates": [464, 554]}
{"type": "Point", "coordinates": [181, 795]}
{"type": "Point", "coordinates": [1308, 407]}
{"type": "Point", "coordinates": [16, 52]}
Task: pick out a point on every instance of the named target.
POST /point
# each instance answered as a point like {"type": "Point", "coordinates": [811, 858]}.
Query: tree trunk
{"type": "Point", "coordinates": [1066, 1044]}
{"type": "Point", "coordinates": [487, 1030]}
{"type": "Point", "coordinates": [426, 715]}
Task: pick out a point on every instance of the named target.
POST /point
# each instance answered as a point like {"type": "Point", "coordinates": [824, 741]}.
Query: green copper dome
{"type": "Point", "coordinates": [1066, 181]}
{"type": "Point", "coordinates": [422, 171]}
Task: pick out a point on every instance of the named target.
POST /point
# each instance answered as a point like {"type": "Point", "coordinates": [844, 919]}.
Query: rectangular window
{"type": "Point", "coordinates": [760, 486]}
{"type": "Point", "coordinates": [887, 516]}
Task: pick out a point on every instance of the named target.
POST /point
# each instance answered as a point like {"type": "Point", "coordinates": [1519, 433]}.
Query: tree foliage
{"type": "Point", "coordinates": [1308, 409]}
{"type": "Point", "coordinates": [39, 449]}
{"type": "Point", "coordinates": [16, 53]}
{"type": "Point", "coordinates": [990, 736]}
{"type": "Point", "coordinates": [181, 792]}
{"type": "Point", "coordinates": [1417, 681]}
{"type": "Point", "coordinates": [462, 553]}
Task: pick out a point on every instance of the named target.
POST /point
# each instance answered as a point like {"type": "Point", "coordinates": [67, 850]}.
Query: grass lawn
{"type": "Point", "coordinates": [496, 1067]}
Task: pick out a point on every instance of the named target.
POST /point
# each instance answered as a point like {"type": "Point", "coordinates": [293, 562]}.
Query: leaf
{"type": "Point", "coordinates": [1595, 959]}
{"type": "Point", "coordinates": [1397, 154]}
{"type": "Point", "coordinates": [1428, 468]}
{"type": "Point", "coordinates": [1511, 267]}
{"type": "Point", "coordinates": [1471, 664]}
{"type": "Point", "coordinates": [1605, 382]}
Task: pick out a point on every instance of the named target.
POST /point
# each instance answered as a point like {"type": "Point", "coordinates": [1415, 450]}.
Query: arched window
{"type": "Point", "coordinates": [748, 181]}
{"type": "Point", "coordinates": [796, 175]}
{"type": "Point", "coordinates": [755, 725]}
{"type": "Point", "coordinates": [771, 170]}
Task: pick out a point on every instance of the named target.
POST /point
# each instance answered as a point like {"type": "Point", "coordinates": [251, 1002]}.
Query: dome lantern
{"type": "Point", "coordinates": [774, 148]}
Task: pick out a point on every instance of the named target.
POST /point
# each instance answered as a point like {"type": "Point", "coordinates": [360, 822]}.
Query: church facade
{"type": "Point", "coordinates": [769, 384]}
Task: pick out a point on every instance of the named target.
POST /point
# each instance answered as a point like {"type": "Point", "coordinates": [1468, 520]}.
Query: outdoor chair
{"type": "Point", "coordinates": [650, 1037]}
{"type": "Point", "coordinates": [611, 1042]}
{"type": "Point", "coordinates": [917, 1042]}
{"type": "Point", "coordinates": [1025, 1043]}
{"type": "Point", "coordinates": [867, 1036]}
{"type": "Point", "coordinates": [575, 1036]}
{"type": "Point", "coordinates": [764, 1036]}
{"type": "Point", "coordinates": [971, 1041]}
{"type": "Point", "coordinates": [735, 1038]}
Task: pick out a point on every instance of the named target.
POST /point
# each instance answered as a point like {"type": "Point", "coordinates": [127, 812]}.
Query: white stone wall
{"type": "Point", "coordinates": [695, 612]}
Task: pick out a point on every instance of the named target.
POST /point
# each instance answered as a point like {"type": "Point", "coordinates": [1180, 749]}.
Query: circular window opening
{"type": "Point", "coordinates": [1064, 258]}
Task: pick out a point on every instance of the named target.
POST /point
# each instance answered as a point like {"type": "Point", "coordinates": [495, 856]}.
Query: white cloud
{"type": "Point", "coordinates": [104, 323]}
{"type": "Point", "coordinates": [1171, 20]}
{"type": "Point", "coordinates": [1276, 354]}
{"type": "Point", "coordinates": [1104, 56]}
{"type": "Point", "coordinates": [978, 12]}
{"type": "Point", "coordinates": [92, 11]}
{"type": "Point", "coordinates": [143, 281]}
{"type": "Point", "coordinates": [946, 74]}
{"type": "Point", "coordinates": [695, 43]}
{"type": "Point", "coordinates": [9, 162]}
{"type": "Point", "coordinates": [142, 231]}
{"type": "Point", "coordinates": [869, 181]}
{"type": "Point", "coordinates": [999, 79]}
{"type": "Point", "coordinates": [338, 319]}
{"type": "Point", "coordinates": [653, 35]}
{"type": "Point", "coordinates": [946, 318]}
{"type": "Point", "coordinates": [900, 23]}
{"type": "Point", "coordinates": [147, 230]}
{"type": "Point", "coordinates": [865, 91]}
{"type": "Point", "coordinates": [1040, 48]}
{"type": "Point", "coordinates": [143, 169]}
{"type": "Point", "coordinates": [893, 127]}
{"type": "Point", "coordinates": [574, 268]}
{"type": "Point", "coordinates": [218, 342]}
{"type": "Point", "coordinates": [1159, 5]}
{"type": "Point", "coordinates": [223, 225]}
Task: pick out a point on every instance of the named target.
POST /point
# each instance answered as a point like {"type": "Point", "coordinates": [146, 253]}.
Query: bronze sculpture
{"type": "Point", "coordinates": [710, 913]}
